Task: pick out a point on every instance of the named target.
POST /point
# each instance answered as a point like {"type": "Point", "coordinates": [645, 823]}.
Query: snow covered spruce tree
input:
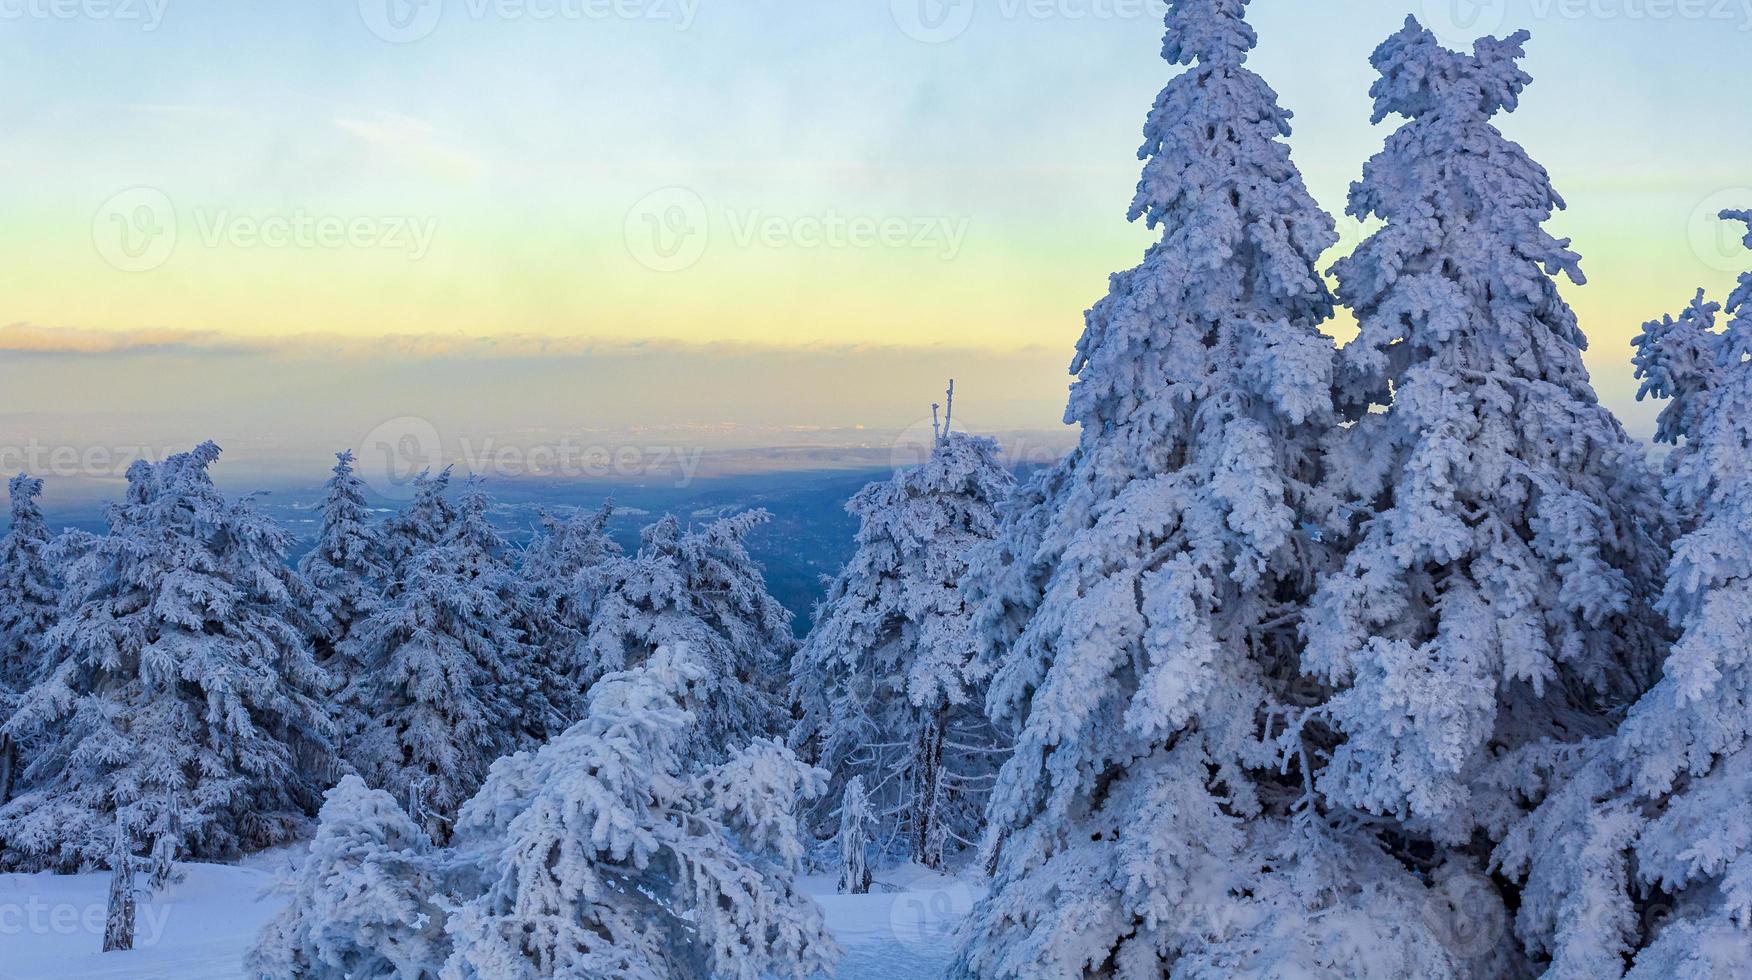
{"type": "Point", "coordinates": [347, 571]}
{"type": "Point", "coordinates": [562, 548]}
{"type": "Point", "coordinates": [347, 568]}
{"type": "Point", "coordinates": [1678, 360]}
{"type": "Point", "coordinates": [178, 691]}
{"type": "Point", "coordinates": [28, 597]}
{"type": "Point", "coordinates": [883, 677]}
{"type": "Point", "coordinates": [365, 905]}
{"type": "Point", "coordinates": [444, 684]}
{"type": "Point", "coordinates": [556, 575]}
{"type": "Point", "coordinates": [699, 591]}
{"type": "Point", "coordinates": [424, 522]}
{"type": "Point", "coordinates": [607, 855]}
{"type": "Point", "coordinates": [1640, 852]}
{"type": "Point", "coordinates": [1142, 604]}
{"type": "Point", "coordinates": [547, 700]}
{"type": "Point", "coordinates": [1505, 537]}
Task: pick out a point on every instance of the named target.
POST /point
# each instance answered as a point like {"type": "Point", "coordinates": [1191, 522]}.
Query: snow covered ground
{"type": "Point", "coordinates": [52, 926]}
{"type": "Point", "coordinates": [904, 933]}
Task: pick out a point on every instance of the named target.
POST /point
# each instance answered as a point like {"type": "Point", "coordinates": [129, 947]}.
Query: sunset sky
{"type": "Point", "coordinates": [282, 223]}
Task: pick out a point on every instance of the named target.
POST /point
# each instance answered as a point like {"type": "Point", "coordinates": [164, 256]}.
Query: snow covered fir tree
{"type": "Point", "coordinates": [557, 572]}
{"type": "Point", "coordinates": [699, 591]}
{"type": "Point", "coordinates": [177, 691]}
{"type": "Point", "coordinates": [441, 688]}
{"type": "Point", "coordinates": [348, 568]}
{"type": "Point", "coordinates": [365, 903]}
{"type": "Point", "coordinates": [28, 597]}
{"type": "Point", "coordinates": [1141, 608]}
{"type": "Point", "coordinates": [1289, 630]}
{"type": "Point", "coordinates": [883, 680]}
{"type": "Point", "coordinates": [433, 689]}
{"type": "Point", "coordinates": [686, 871]}
{"type": "Point", "coordinates": [605, 853]}
{"type": "Point", "coordinates": [1504, 536]}
{"type": "Point", "coordinates": [1395, 658]}
{"type": "Point", "coordinates": [1639, 855]}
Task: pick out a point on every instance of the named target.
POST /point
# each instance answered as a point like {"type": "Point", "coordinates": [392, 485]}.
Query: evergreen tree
{"type": "Point", "coordinates": [443, 687]}
{"type": "Point", "coordinates": [425, 522]}
{"type": "Point", "coordinates": [883, 677]}
{"type": "Point", "coordinates": [28, 597]}
{"type": "Point", "coordinates": [178, 688]}
{"type": "Point", "coordinates": [557, 572]}
{"type": "Point", "coordinates": [347, 568]}
{"type": "Point", "coordinates": [367, 904]}
{"type": "Point", "coordinates": [1653, 817]}
{"type": "Point", "coordinates": [698, 591]}
{"type": "Point", "coordinates": [561, 549]}
{"type": "Point", "coordinates": [1503, 534]}
{"type": "Point", "coordinates": [607, 856]}
{"type": "Point", "coordinates": [1677, 360]}
{"type": "Point", "coordinates": [546, 700]}
{"type": "Point", "coordinates": [1141, 607]}
{"type": "Point", "coordinates": [347, 571]}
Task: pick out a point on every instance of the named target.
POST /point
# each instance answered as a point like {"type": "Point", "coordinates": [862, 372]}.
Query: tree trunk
{"type": "Point", "coordinates": [118, 932]}
{"type": "Point", "coordinates": [927, 830]}
{"type": "Point", "coordinates": [854, 839]}
{"type": "Point", "coordinates": [8, 765]}
{"type": "Point", "coordinates": [164, 849]}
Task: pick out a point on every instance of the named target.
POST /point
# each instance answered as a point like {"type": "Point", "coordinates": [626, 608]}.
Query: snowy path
{"type": "Point", "coordinates": [896, 935]}
{"type": "Point", "coordinates": [52, 926]}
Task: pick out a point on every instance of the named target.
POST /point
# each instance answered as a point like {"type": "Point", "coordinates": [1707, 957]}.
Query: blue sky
{"type": "Point", "coordinates": [889, 193]}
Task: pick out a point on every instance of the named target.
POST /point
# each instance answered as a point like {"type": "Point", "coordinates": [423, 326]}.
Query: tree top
{"type": "Point", "coordinates": [1215, 33]}
{"type": "Point", "coordinates": [1421, 78]}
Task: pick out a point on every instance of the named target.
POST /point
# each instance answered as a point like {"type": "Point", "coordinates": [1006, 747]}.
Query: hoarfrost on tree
{"type": "Point", "coordinates": [1503, 535]}
{"type": "Point", "coordinates": [1640, 850]}
{"type": "Point", "coordinates": [346, 567]}
{"type": "Point", "coordinates": [178, 691]}
{"type": "Point", "coordinates": [366, 903]}
{"type": "Point", "coordinates": [347, 571]}
{"type": "Point", "coordinates": [883, 679]}
{"type": "Point", "coordinates": [558, 572]}
{"type": "Point", "coordinates": [425, 522]}
{"type": "Point", "coordinates": [699, 590]}
{"type": "Point", "coordinates": [1676, 360]}
{"type": "Point", "coordinates": [29, 594]}
{"type": "Point", "coordinates": [442, 668]}
{"type": "Point", "coordinates": [1142, 606]}
{"type": "Point", "coordinates": [857, 830]}
{"type": "Point", "coordinates": [546, 700]}
{"type": "Point", "coordinates": [606, 855]}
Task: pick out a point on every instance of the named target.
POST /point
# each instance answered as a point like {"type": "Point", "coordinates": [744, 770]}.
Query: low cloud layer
{"type": "Point", "coordinates": [30, 338]}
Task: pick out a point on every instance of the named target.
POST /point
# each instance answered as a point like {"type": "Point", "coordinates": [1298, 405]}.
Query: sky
{"type": "Point", "coordinates": [290, 224]}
